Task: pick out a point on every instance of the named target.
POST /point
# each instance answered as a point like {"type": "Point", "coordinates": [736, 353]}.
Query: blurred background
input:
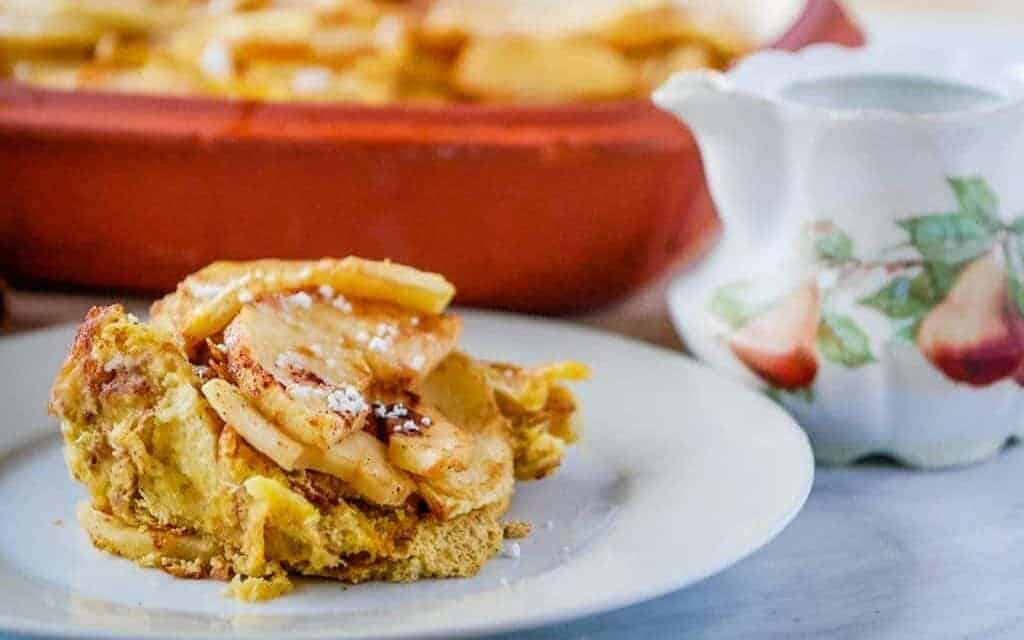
{"type": "Point", "coordinates": [508, 146]}
{"type": "Point", "coordinates": [1010, 7]}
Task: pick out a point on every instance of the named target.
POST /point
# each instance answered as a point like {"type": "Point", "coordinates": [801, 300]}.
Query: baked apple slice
{"type": "Point", "coordinates": [359, 460]}
{"type": "Point", "coordinates": [459, 389]}
{"type": "Point", "coordinates": [235, 410]}
{"type": "Point", "coordinates": [399, 347]}
{"type": "Point", "coordinates": [310, 365]}
{"type": "Point", "coordinates": [422, 441]}
{"type": "Point", "coordinates": [206, 301]}
{"type": "Point", "coordinates": [300, 378]}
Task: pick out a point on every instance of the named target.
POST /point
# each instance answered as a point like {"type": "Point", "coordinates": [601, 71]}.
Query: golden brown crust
{"type": "Point", "coordinates": [518, 529]}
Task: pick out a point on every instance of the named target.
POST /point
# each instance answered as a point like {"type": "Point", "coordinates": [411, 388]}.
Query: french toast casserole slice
{"type": "Point", "coordinates": [315, 418]}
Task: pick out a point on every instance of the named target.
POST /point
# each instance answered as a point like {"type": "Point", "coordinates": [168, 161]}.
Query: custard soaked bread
{"type": "Point", "coordinates": [312, 418]}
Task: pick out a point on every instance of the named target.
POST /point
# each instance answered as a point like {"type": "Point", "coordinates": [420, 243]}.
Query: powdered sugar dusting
{"type": "Point", "coordinates": [407, 427]}
{"type": "Point", "coordinates": [397, 410]}
{"type": "Point", "coordinates": [385, 336]}
{"type": "Point", "coordinates": [301, 299]}
{"type": "Point", "coordinates": [288, 360]}
{"type": "Point", "coordinates": [205, 291]}
{"type": "Point", "coordinates": [341, 304]}
{"type": "Point", "coordinates": [386, 330]}
{"type": "Point", "coordinates": [347, 400]}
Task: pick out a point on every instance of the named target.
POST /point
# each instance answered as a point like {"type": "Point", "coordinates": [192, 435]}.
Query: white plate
{"type": "Point", "coordinates": [680, 474]}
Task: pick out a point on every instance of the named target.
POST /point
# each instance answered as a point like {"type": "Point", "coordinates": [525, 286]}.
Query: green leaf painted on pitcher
{"type": "Point", "coordinates": [835, 246]}
{"type": "Point", "coordinates": [736, 303]}
{"type": "Point", "coordinates": [902, 298]}
{"type": "Point", "coordinates": [843, 342]}
{"type": "Point", "coordinates": [954, 238]}
{"type": "Point", "coordinates": [1014, 252]}
{"type": "Point", "coordinates": [941, 278]}
{"type": "Point", "coordinates": [908, 333]}
{"type": "Point", "coordinates": [976, 199]}
{"type": "Point", "coordinates": [949, 238]}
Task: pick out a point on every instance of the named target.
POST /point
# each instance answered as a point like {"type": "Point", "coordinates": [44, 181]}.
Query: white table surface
{"type": "Point", "coordinates": [878, 552]}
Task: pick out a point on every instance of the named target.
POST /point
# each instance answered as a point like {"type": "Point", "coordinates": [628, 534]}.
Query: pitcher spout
{"type": "Point", "coordinates": [743, 147]}
{"type": "Point", "coordinates": [704, 100]}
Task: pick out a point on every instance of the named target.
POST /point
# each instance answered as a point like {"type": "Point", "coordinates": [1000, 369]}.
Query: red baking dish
{"type": "Point", "coordinates": [544, 209]}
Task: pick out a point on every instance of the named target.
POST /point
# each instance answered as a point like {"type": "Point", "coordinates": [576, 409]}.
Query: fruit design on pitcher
{"type": "Point", "coordinates": [780, 345]}
{"type": "Point", "coordinates": [972, 334]}
{"type": "Point", "coordinates": [783, 341]}
{"type": "Point", "coordinates": [954, 289]}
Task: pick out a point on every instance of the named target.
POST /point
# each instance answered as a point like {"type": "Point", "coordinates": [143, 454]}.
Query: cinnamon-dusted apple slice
{"type": "Point", "coordinates": [236, 412]}
{"type": "Point", "coordinates": [780, 345]}
{"type": "Point", "coordinates": [969, 335]}
{"type": "Point", "coordinates": [421, 440]}
{"type": "Point", "coordinates": [206, 301]}
{"type": "Point", "coordinates": [458, 388]}
{"type": "Point", "coordinates": [359, 460]}
{"type": "Point", "coordinates": [400, 347]}
{"type": "Point", "coordinates": [305, 381]}
{"type": "Point", "coordinates": [487, 480]}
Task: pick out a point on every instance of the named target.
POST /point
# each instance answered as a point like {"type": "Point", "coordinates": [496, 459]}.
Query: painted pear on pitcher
{"type": "Point", "coordinates": [780, 345]}
{"type": "Point", "coordinates": [970, 335]}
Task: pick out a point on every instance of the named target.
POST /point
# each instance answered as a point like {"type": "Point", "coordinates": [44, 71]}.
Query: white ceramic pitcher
{"type": "Point", "coordinates": [871, 272]}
